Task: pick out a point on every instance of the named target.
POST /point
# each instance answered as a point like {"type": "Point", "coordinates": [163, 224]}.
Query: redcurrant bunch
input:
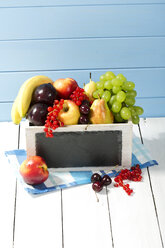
{"type": "Point", "coordinates": [78, 96]}
{"type": "Point", "coordinates": [134, 174]}
{"type": "Point", "coordinates": [52, 122]}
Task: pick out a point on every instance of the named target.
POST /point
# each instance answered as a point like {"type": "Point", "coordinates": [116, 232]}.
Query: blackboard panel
{"type": "Point", "coordinates": [79, 149]}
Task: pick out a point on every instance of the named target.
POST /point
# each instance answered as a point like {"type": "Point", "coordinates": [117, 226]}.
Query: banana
{"type": "Point", "coordinates": [15, 116]}
{"type": "Point", "coordinates": [26, 91]}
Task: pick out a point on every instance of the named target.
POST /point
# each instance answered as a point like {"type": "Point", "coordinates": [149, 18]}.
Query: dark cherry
{"type": "Point", "coordinates": [83, 119]}
{"type": "Point", "coordinates": [84, 109]}
{"type": "Point", "coordinates": [106, 180]}
{"type": "Point", "coordinates": [86, 102]}
{"type": "Point", "coordinates": [95, 178]}
{"type": "Point", "coordinates": [97, 186]}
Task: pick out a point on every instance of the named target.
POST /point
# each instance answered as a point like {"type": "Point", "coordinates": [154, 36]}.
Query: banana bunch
{"type": "Point", "coordinates": [24, 97]}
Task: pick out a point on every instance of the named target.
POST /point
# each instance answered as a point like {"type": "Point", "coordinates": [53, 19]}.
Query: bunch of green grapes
{"type": "Point", "coordinates": [120, 96]}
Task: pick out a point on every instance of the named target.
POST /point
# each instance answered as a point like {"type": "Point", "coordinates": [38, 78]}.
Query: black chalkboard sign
{"type": "Point", "coordinates": [80, 149]}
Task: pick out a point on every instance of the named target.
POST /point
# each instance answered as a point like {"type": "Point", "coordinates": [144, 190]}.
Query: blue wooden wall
{"type": "Point", "coordinates": [70, 38]}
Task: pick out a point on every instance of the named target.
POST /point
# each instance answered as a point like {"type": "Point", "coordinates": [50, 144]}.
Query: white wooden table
{"type": "Point", "coordinates": [72, 218]}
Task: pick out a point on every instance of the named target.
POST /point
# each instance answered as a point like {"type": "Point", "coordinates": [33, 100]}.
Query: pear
{"type": "Point", "coordinates": [100, 113]}
{"type": "Point", "coordinates": [89, 89]}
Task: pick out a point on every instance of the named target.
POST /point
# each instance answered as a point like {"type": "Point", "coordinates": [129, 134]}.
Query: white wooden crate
{"type": "Point", "coordinates": [83, 147]}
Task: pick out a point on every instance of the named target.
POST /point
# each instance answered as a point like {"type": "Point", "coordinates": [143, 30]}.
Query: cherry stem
{"type": "Point", "coordinates": [96, 197]}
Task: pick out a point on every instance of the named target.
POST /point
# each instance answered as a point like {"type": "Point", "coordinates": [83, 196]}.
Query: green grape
{"type": "Point", "coordinates": [133, 111]}
{"type": "Point", "coordinates": [100, 85]}
{"type": "Point", "coordinates": [118, 118]}
{"type": "Point", "coordinates": [127, 86]}
{"type": "Point", "coordinates": [131, 93]}
{"type": "Point", "coordinates": [108, 85]}
{"type": "Point", "coordinates": [112, 100]}
{"type": "Point", "coordinates": [121, 96]}
{"type": "Point", "coordinates": [103, 78]}
{"type": "Point", "coordinates": [117, 82]}
{"type": "Point", "coordinates": [135, 119]}
{"type": "Point", "coordinates": [106, 95]}
{"type": "Point", "coordinates": [125, 113]}
{"type": "Point", "coordinates": [109, 75]}
{"type": "Point", "coordinates": [121, 77]}
{"type": "Point", "coordinates": [98, 93]}
{"type": "Point", "coordinates": [130, 101]}
{"type": "Point", "coordinates": [116, 106]}
{"type": "Point", "coordinates": [116, 89]}
{"type": "Point", "coordinates": [139, 110]}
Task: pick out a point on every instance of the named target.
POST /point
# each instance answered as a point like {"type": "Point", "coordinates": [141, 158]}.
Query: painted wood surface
{"type": "Point", "coordinates": [66, 22]}
{"type": "Point", "coordinates": [73, 217]}
{"type": "Point", "coordinates": [153, 133]}
{"type": "Point", "coordinates": [63, 54]}
{"type": "Point", "coordinates": [24, 3]}
{"type": "Point", "coordinates": [44, 38]}
{"type": "Point", "coordinates": [8, 141]}
{"type": "Point", "coordinates": [36, 216]}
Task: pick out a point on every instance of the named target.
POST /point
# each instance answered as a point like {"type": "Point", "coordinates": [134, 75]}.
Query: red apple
{"type": "Point", "coordinates": [70, 113]}
{"type": "Point", "coordinates": [34, 170]}
{"type": "Point", "coordinates": [65, 86]}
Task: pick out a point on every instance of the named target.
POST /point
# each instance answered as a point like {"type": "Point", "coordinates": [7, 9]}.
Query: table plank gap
{"type": "Point", "coordinates": [110, 221]}
{"type": "Point", "coordinates": [155, 126]}
{"type": "Point", "coordinates": [85, 216]}
{"type": "Point", "coordinates": [153, 197]}
{"type": "Point", "coordinates": [7, 184]}
{"type": "Point", "coordinates": [62, 223]}
{"type": "Point", "coordinates": [37, 213]}
{"type": "Point", "coordinates": [133, 215]}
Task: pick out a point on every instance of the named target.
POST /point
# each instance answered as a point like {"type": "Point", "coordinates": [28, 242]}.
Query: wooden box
{"type": "Point", "coordinates": [83, 147]}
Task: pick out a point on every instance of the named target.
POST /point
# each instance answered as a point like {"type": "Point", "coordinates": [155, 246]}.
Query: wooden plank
{"type": "Point", "coordinates": [39, 217]}
{"type": "Point", "coordinates": [8, 141]}
{"type": "Point", "coordinates": [153, 132]}
{"type": "Point", "coordinates": [74, 54]}
{"type": "Point", "coordinates": [85, 221]}
{"type": "Point", "coordinates": [135, 213]}
{"type": "Point", "coordinates": [24, 3]}
{"type": "Point", "coordinates": [143, 79]}
{"type": "Point", "coordinates": [60, 22]}
{"type": "Point", "coordinates": [5, 110]}
{"type": "Point", "coordinates": [153, 107]}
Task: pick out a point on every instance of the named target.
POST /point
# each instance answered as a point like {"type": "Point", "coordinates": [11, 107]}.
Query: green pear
{"type": "Point", "coordinates": [100, 113]}
{"type": "Point", "coordinates": [89, 89]}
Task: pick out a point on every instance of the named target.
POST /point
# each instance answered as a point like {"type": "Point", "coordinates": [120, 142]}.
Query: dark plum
{"type": "Point", "coordinates": [83, 119]}
{"type": "Point", "coordinates": [45, 93]}
{"type": "Point", "coordinates": [37, 114]}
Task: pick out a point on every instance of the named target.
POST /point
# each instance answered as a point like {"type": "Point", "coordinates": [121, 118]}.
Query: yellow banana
{"type": "Point", "coordinates": [26, 91]}
{"type": "Point", "coordinates": [15, 116]}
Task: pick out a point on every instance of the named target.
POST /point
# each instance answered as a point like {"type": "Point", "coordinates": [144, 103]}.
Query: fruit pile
{"type": "Point", "coordinates": [55, 104]}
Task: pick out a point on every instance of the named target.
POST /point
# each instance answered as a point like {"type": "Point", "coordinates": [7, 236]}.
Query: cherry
{"type": "Point", "coordinates": [106, 180]}
{"type": "Point", "coordinates": [97, 186]}
{"type": "Point", "coordinates": [84, 109]}
{"type": "Point", "coordinates": [95, 178]}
